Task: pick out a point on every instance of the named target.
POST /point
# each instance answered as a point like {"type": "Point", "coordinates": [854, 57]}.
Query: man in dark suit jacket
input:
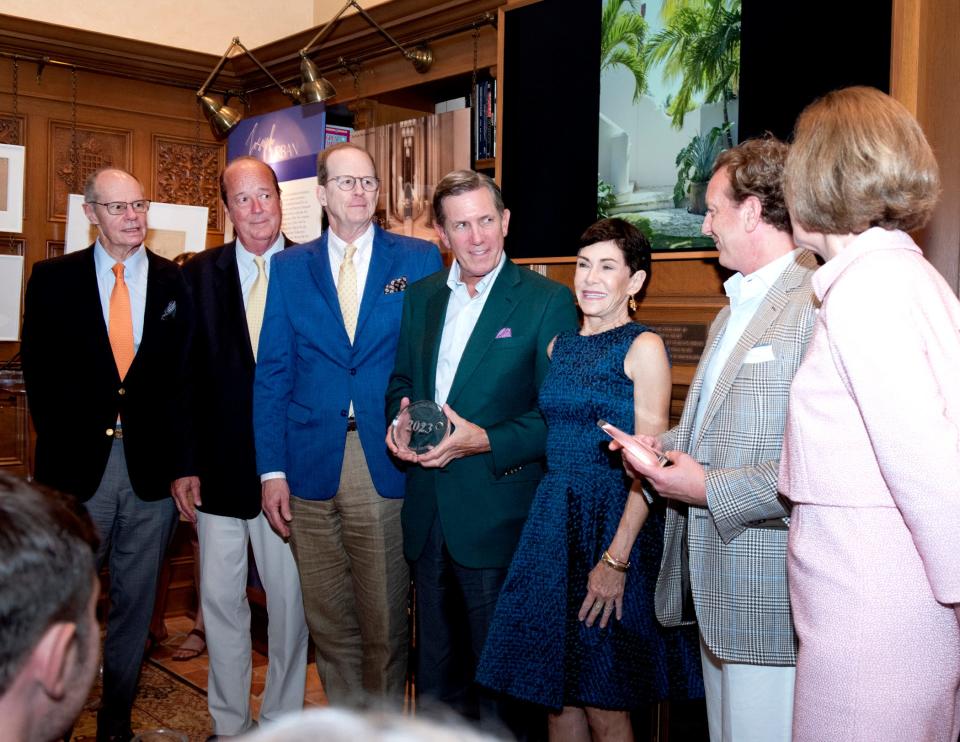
{"type": "Point", "coordinates": [218, 487]}
{"type": "Point", "coordinates": [103, 338]}
{"type": "Point", "coordinates": [473, 339]}
{"type": "Point", "coordinates": [327, 348]}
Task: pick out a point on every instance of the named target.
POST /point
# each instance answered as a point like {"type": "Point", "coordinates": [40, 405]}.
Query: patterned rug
{"type": "Point", "coordinates": [163, 700]}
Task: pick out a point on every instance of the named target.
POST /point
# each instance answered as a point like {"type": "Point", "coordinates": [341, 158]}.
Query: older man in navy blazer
{"type": "Point", "coordinates": [104, 332]}
{"type": "Point", "coordinates": [217, 486]}
{"type": "Point", "coordinates": [327, 348]}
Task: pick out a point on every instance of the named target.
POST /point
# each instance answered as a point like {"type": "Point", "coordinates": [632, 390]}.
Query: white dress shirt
{"type": "Point", "coordinates": [134, 275]}
{"type": "Point", "coordinates": [247, 268]}
{"type": "Point", "coordinates": [463, 311]}
{"type": "Point", "coordinates": [746, 294]}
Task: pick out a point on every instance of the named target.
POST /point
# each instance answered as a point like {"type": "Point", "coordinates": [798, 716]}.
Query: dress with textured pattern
{"type": "Point", "coordinates": [537, 650]}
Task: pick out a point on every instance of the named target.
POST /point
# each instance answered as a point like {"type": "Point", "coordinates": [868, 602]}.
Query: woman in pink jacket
{"type": "Point", "coordinates": [871, 457]}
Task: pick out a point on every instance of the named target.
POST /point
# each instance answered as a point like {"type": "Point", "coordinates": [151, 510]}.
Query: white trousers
{"type": "Point", "coordinates": [747, 703]}
{"type": "Point", "coordinates": [226, 618]}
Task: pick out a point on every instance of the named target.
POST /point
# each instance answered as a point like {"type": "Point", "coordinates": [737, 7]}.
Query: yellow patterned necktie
{"type": "Point", "coordinates": [120, 327]}
{"type": "Point", "coordinates": [347, 291]}
{"type": "Point", "coordinates": [256, 301]}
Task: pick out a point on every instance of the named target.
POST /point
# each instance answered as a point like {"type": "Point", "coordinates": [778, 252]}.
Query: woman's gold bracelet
{"type": "Point", "coordinates": [614, 563]}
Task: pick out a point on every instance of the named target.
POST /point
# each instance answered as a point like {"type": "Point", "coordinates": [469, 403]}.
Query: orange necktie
{"type": "Point", "coordinates": [121, 323]}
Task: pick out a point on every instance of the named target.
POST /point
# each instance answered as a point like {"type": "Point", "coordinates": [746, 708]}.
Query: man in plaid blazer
{"type": "Point", "coordinates": [724, 559]}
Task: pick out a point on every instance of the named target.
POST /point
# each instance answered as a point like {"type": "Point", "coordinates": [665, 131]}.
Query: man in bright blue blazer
{"type": "Point", "coordinates": [327, 348]}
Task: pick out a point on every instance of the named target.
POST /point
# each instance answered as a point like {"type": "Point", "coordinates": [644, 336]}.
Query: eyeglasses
{"type": "Point", "coordinates": [115, 208]}
{"type": "Point", "coordinates": [347, 182]}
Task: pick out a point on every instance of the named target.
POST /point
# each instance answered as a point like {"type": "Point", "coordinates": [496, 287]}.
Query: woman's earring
{"type": "Point", "coordinates": [632, 304]}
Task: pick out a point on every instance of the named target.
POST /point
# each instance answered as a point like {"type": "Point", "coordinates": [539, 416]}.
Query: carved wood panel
{"type": "Point", "coordinates": [12, 129]}
{"type": "Point", "coordinates": [187, 172]}
{"type": "Point", "coordinates": [97, 146]}
{"type": "Point", "coordinates": [12, 246]}
{"type": "Point", "coordinates": [54, 248]}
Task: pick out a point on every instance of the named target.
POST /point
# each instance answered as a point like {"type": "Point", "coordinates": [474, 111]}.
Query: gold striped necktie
{"type": "Point", "coordinates": [256, 302]}
{"type": "Point", "coordinates": [347, 291]}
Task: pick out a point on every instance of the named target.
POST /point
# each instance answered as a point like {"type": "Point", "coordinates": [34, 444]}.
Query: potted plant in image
{"type": "Point", "coordinates": [694, 168]}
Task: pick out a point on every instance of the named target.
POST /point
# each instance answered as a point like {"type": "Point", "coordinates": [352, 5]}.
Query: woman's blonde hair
{"type": "Point", "coordinates": [859, 160]}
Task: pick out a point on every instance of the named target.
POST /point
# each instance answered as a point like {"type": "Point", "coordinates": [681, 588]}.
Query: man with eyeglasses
{"type": "Point", "coordinates": [104, 333]}
{"type": "Point", "coordinates": [326, 351]}
{"type": "Point", "coordinates": [217, 486]}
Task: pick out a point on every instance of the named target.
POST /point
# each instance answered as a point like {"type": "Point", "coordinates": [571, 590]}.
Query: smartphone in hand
{"type": "Point", "coordinates": [641, 450]}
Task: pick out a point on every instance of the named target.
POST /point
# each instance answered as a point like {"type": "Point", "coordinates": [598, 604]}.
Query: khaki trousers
{"type": "Point", "coordinates": [355, 582]}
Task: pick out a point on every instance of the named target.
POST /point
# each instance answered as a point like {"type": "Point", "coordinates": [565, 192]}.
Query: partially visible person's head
{"type": "Point", "coordinates": [860, 160]}
{"type": "Point", "coordinates": [746, 216]}
{"type": "Point", "coordinates": [114, 202]}
{"type": "Point", "coordinates": [334, 724]}
{"type": "Point", "coordinates": [251, 195]}
{"type": "Point", "coordinates": [347, 188]}
{"type": "Point", "coordinates": [471, 222]}
{"type": "Point", "coordinates": [181, 258]}
{"type": "Point", "coordinates": [49, 638]}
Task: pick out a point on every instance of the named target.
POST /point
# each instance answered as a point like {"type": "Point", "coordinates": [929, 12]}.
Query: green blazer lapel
{"type": "Point", "coordinates": [436, 311]}
{"type": "Point", "coordinates": [500, 305]}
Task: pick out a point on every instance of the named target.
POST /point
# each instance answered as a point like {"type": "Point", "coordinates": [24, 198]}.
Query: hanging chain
{"type": "Point", "coordinates": [197, 159]}
{"type": "Point", "coordinates": [473, 79]}
{"type": "Point", "coordinates": [19, 134]}
{"type": "Point", "coordinates": [74, 150]}
{"type": "Point", "coordinates": [16, 89]}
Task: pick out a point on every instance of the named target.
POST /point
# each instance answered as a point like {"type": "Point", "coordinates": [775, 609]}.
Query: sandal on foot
{"type": "Point", "coordinates": [183, 653]}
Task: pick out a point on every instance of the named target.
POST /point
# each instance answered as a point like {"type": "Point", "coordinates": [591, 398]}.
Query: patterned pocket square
{"type": "Point", "coordinates": [505, 332]}
{"type": "Point", "coordinates": [170, 311]}
{"type": "Point", "coordinates": [396, 285]}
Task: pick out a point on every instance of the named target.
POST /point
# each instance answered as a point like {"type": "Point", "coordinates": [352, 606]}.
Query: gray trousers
{"type": "Point", "coordinates": [133, 535]}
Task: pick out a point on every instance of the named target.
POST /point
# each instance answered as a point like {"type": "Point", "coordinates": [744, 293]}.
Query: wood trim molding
{"type": "Point", "coordinates": [409, 21]}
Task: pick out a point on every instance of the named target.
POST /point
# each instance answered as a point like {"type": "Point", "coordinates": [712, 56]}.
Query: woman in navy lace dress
{"type": "Point", "coordinates": [575, 630]}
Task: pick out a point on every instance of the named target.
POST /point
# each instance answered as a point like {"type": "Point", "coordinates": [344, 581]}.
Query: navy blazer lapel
{"type": "Point", "coordinates": [229, 297]}
{"type": "Point", "coordinates": [382, 258]}
{"type": "Point", "coordinates": [158, 298]}
{"type": "Point", "coordinates": [320, 269]}
{"type": "Point", "coordinates": [496, 311]}
{"type": "Point", "coordinates": [766, 314]}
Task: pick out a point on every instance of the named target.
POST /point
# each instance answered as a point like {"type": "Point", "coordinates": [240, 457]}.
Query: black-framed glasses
{"type": "Point", "coordinates": [348, 182]}
{"type": "Point", "coordinates": [115, 208]}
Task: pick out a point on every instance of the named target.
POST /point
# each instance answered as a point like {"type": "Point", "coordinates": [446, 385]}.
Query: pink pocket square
{"type": "Point", "coordinates": [505, 332]}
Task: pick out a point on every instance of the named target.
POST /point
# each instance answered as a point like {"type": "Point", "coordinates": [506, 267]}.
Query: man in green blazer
{"type": "Point", "coordinates": [474, 340]}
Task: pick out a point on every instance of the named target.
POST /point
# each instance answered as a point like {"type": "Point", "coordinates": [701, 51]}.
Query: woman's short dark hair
{"type": "Point", "coordinates": [631, 241]}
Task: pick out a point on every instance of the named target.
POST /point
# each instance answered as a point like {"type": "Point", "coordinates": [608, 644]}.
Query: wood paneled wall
{"type": "Point", "coordinates": [925, 77]}
{"type": "Point", "coordinates": [155, 131]}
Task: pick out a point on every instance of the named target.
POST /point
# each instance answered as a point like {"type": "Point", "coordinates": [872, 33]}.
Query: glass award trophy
{"type": "Point", "coordinates": [420, 426]}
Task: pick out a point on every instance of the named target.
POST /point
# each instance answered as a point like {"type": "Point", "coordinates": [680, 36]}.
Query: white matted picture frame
{"type": "Point", "coordinates": [11, 291]}
{"type": "Point", "coordinates": [12, 157]}
{"type": "Point", "coordinates": [171, 228]}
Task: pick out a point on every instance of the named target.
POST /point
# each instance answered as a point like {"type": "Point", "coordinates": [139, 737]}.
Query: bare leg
{"type": "Point", "coordinates": [195, 643]}
{"type": "Point", "coordinates": [570, 725]}
{"type": "Point", "coordinates": [609, 725]}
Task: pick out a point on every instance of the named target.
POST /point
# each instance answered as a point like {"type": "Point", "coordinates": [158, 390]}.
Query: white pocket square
{"type": "Point", "coordinates": [759, 354]}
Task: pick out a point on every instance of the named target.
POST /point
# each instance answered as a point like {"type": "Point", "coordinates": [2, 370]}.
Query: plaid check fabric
{"type": "Point", "coordinates": [737, 546]}
{"type": "Point", "coordinates": [256, 302]}
{"type": "Point", "coordinates": [120, 328]}
{"type": "Point", "coordinates": [347, 291]}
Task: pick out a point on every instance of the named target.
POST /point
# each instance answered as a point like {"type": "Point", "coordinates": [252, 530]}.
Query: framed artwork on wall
{"type": "Point", "coordinates": [12, 158]}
